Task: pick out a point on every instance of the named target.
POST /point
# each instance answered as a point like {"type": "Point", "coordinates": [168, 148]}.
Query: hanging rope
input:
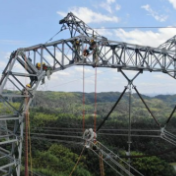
{"type": "Point", "coordinates": [129, 126]}
{"type": "Point", "coordinates": [95, 99]}
{"type": "Point", "coordinates": [101, 164]}
{"type": "Point", "coordinates": [77, 162]}
{"type": "Point", "coordinates": [26, 144]}
{"type": "Point", "coordinates": [83, 100]}
{"type": "Point", "coordinates": [83, 103]}
{"type": "Point", "coordinates": [30, 147]}
{"type": "Point", "coordinates": [26, 126]}
{"type": "Point", "coordinates": [28, 150]}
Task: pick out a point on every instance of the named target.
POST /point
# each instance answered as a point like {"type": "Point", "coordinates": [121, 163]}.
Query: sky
{"type": "Point", "coordinates": [29, 22]}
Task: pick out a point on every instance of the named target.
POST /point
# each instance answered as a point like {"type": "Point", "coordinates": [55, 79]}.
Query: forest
{"type": "Point", "coordinates": [55, 114]}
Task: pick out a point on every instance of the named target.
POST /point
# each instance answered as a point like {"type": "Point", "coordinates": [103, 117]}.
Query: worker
{"type": "Point", "coordinates": [26, 90]}
{"type": "Point", "coordinates": [90, 137]}
{"type": "Point", "coordinates": [46, 68]}
{"type": "Point", "coordinates": [76, 47]}
{"type": "Point", "coordinates": [85, 55]}
{"type": "Point", "coordinates": [28, 85]}
{"type": "Point", "coordinates": [85, 52]}
{"type": "Point", "coordinates": [33, 80]}
{"type": "Point", "coordinates": [38, 66]}
{"type": "Point", "coordinates": [95, 51]}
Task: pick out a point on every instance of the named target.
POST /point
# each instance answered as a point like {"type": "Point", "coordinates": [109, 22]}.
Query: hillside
{"type": "Point", "coordinates": [59, 110]}
{"type": "Point", "coordinates": [71, 102]}
{"type": "Point", "coordinates": [56, 115]}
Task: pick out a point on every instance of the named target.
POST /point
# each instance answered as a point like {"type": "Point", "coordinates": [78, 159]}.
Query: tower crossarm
{"type": "Point", "coordinates": [62, 54]}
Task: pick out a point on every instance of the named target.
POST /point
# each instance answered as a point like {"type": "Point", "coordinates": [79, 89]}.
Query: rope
{"type": "Point", "coordinates": [129, 127]}
{"type": "Point", "coordinates": [29, 138]}
{"type": "Point", "coordinates": [101, 164]}
{"type": "Point", "coordinates": [26, 143]}
{"type": "Point", "coordinates": [83, 100]}
{"type": "Point", "coordinates": [95, 99]}
{"type": "Point", "coordinates": [77, 162]}
{"type": "Point", "coordinates": [52, 37]}
{"type": "Point", "coordinates": [26, 126]}
{"type": "Point", "coordinates": [27, 130]}
{"type": "Point", "coordinates": [30, 149]}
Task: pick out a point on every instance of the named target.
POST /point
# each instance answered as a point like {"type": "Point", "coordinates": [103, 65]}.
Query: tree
{"type": "Point", "coordinates": [59, 161]}
{"type": "Point", "coordinates": [152, 166]}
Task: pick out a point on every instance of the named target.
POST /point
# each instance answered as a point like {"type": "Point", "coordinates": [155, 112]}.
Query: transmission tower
{"type": "Point", "coordinates": [25, 75]}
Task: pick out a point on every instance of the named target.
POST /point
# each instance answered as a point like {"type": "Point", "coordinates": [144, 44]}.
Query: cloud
{"type": "Point", "coordinates": [4, 57]}
{"type": "Point", "coordinates": [108, 5]}
{"type": "Point", "coordinates": [104, 32]}
{"type": "Point", "coordinates": [89, 16]}
{"type": "Point", "coordinates": [154, 14]}
{"type": "Point", "coordinates": [12, 42]}
{"type": "Point", "coordinates": [118, 7]}
{"type": "Point", "coordinates": [160, 76]}
{"type": "Point", "coordinates": [79, 70]}
{"type": "Point", "coordinates": [173, 2]}
{"type": "Point", "coordinates": [64, 73]}
{"type": "Point", "coordinates": [110, 1]}
{"type": "Point", "coordinates": [2, 66]}
{"type": "Point", "coordinates": [146, 38]}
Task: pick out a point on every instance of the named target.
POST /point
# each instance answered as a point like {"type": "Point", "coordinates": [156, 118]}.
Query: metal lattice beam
{"type": "Point", "coordinates": [112, 54]}
{"type": "Point", "coordinates": [170, 44]}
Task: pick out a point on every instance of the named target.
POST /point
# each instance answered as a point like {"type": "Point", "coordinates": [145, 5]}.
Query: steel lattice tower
{"type": "Point", "coordinates": [59, 55]}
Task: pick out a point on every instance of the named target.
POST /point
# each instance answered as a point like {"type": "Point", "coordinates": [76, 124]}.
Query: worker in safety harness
{"type": "Point", "coordinates": [27, 89]}
{"type": "Point", "coordinates": [95, 51]}
{"type": "Point", "coordinates": [90, 137]}
{"type": "Point", "coordinates": [33, 79]}
{"type": "Point", "coordinates": [46, 68]}
{"type": "Point", "coordinates": [76, 47]}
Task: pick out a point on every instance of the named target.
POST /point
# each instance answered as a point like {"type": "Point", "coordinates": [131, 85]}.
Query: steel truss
{"type": "Point", "coordinates": [170, 44]}
{"type": "Point", "coordinates": [59, 55]}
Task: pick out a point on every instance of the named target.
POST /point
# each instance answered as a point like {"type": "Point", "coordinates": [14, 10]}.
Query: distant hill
{"type": "Point", "coordinates": [71, 102]}
{"type": "Point", "coordinates": [50, 97]}
{"type": "Point", "coordinates": [103, 97]}
{"type": "Point", "coordinates": [167, 98]}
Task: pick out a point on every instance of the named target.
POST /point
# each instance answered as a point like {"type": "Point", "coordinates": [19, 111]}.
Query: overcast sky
{"type": "Point", "coordinates": [28, 22]}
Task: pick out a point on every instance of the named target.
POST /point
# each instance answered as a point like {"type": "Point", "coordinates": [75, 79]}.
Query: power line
{"type": "Point", "coordinates": [102, 129]}
{"type": "Point", "coordinates": [78, 79]}
{"type": "Point", "coordinates": [140, 27]}
{"type": "Point", "coordinates": [104, 134]}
